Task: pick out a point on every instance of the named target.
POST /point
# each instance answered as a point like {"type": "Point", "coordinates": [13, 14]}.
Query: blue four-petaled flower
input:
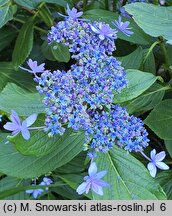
{"type": "Point", "coordinates": [93, 181]}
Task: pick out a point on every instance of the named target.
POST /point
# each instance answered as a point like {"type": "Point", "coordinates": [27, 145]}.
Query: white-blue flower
{"type": "Point", "coordinates": [93, 181]}
{"type": "Point", "coordinates": [16, 126]}
{"type": "Point", "coordinates": [156, 161]}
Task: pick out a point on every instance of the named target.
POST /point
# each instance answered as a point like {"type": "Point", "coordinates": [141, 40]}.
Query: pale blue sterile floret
{"type": "Point", "coordinates": [123, 26]}
{"type": "Point", "coordinates": [104, 31]}
{"type": "Point", "coordinates": [156, 162]}
{"type": "Point", "coordinates": [93, 181]}
{"type": "Point", "coordinates": [36, 192]}
{"type": "Point", "coordinates": [73, 13]}
{"type": "Point", "coordinates": [16, 126]}
{"type": "Point", "coordinates": [35, 68]}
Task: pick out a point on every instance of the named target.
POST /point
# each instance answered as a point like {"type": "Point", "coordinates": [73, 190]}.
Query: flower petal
{"type": "Point", "coordinates": [152, 169]}
{"type": "Point", "coordinates": [102, 183]}
{"type": "Point", "coordinates": [95, 30]}
{"type": "Point", "coordinates": [92, 169]}
{"type": "Point", "coordinates": [162, 165]}
{"type": "Point", "coordinates": [160, 156]}
{"type": "Point", "coordinates": [11, 126]}
{"type": "Point", "coordinates": [100, 175]}
{"type": "Point", "coordinates": [16, 131]}
{"type": "Point", "coordinates": [39, 68]}
{"type": "Point", "coordinates": [15, 118]}
{"type": "Point", "coordinates": [97, 189]}
{"type": "Point", "coordinates": [152, 154]}
{"type": "Point", "coordinates": [31, 119]}
{"type": "Point", "coordinates": [81, 188]}
{"type": "Point", "coordinates": [79, 14]}
{"type": "Point", "coordinates": [25, 132]}
{"type": "Point", "coordinates": [29, 191]}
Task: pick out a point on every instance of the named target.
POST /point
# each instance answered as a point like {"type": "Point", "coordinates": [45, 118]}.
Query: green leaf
{"type": "Point", "coordinates": [148, 100]}
{"type": "Point", "coordinates": [67, 192]}
{"type": "Point", "coordinates": [139, 37]}
{"type": "Point", "coordinates": [149, 63]}
{"type": "Point", "coordinates": [3, 2]}
{"type": "Point", "coordinates": [133, 60]}
{"type": "Point", "coordinates": [154, 20]}
{"type": "Point", "coordinates": [128, 178]}
{"type": "Point", "coordinates": [6, 14]}
{"type": "Point", "coordinates": [17, 165]}
{"type": "Point", "coordinates": [160, 120]}
{"type": "Point", "coordinates": [24, 44]}
{"type": "Point", "coordinates": [138, 82]}
{"type": "Point", "coordinates": [8, 183]}
{"type": "Point", "coordinates": [8, 74]}
{"type": "Point", "coordinates": [46, 15]}
{"type": "Point", "coordinates": [40, 144]}
{"type": "Point", "coordinates": [34, 3]}
{"type": "Point", "coordinates": [168, 144]}
{"type": "Point", "coordinates": [47, 52]}
{"type": "Point", "coordinates": [164, 178]}
{"type": "Point", "coordinates": [62, 3]}
{"type": "Point", "coordinates": [55, 52]}
{"type": "Point", "coordinates": [74, 166]}
{"type": "Point", "coordinates": [28, 3]}
{"type": "Point", "coordinates": [60, 52]}
{"type": "Point", "coordinates": [74, 180]}
{"type": "Point", "coordinates": [23, 102]}
{"type": "Point", "coordinates": [6, 36]}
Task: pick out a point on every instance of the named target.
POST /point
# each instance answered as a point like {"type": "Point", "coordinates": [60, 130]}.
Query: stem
{"type": "Point", "coordinates": [35, 27]}
{"type": "Point", "coordinates": [150, 49]}
{"type": "Point", "coordinates": [167, 60]}
{"type": "Point", "coordinates": [37, 12]}
{"type": "Point", "coordinates": [36, 128]}
{"type": "Point", "coordinates": [145, 156]}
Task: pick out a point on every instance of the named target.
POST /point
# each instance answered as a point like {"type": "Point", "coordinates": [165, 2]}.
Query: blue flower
{"type": "Point", "coordinates": [73, 14]}
{"type": "Point", "coordinates": [35, 193]}
{"type": "Point", "coordinates": [46, 181]}
{"type": "Point", "coordinates": [35, 68]}
{"type": "Point", "coordinates": [104, 31]}
{"type": "Point", "coordinates": [123, 26]}
{"type": "Point", "coordinates": [16, 126]}
{"type": "Point", "coordinates": [156, 161]}
{"type": "Point", "coordinates": [124, 12]}
{"type": "Point", "coordinates": [93, 181]}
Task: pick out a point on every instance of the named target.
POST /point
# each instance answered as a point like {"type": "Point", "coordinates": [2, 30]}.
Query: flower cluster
{"type": "Point", "coordinates": [115, 126]}
{"type": "Point", "coordinates": [82, 97]}
{"type": "Point", "coordinates": [36, 192]}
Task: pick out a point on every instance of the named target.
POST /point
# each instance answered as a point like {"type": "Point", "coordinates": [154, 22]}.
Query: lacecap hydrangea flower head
{"type": "Point", "coordinates": [82, 97]}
